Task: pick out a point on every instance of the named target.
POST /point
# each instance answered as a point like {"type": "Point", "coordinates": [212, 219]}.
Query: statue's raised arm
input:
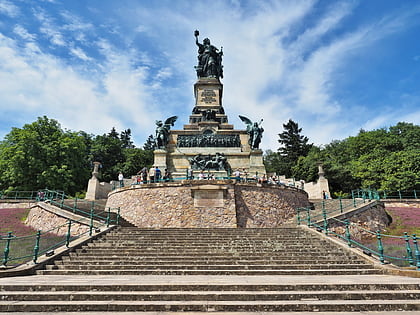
{"type": "Point", "coordinates": [209, 59]}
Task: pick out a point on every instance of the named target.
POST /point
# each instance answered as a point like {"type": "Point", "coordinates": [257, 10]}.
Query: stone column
{"type": "Point", "coordinates": [93, 185]}
{"type": "Point", "coordinates": [160, 159]}
{"type": "Point", "coordinates": [256, 163]}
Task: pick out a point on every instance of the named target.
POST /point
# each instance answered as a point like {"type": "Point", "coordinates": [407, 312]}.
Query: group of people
{"type": "Point", "coordinates": [146, 176]}
{"type": "Point", "coordinates": [153, 175]}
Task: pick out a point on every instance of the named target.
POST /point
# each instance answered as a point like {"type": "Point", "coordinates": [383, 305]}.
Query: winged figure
{"type": "Point", "coordinates": [162, 131]}
{"type": "Point", "coordinates": [254, 131]}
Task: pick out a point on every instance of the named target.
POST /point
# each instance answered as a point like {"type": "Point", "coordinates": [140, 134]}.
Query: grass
{"type": "Point", "coordinates": [21, 246]}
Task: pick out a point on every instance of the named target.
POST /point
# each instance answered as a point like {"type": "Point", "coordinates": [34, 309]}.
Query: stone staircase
{"type": "Point", "coordinates": [136, 251]}
{"type": "Point", "coordinates": [203, 270]}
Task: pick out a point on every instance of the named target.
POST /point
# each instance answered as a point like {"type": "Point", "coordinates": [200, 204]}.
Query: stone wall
{"type": "Point", "coordinates": [371, 217]}
{"type": "Point", "coordinates": [267, 206]}
{"type": "Point", "coordinates": [16, 204]}
{"type": "Point", "coordinates": [407, 203]}
{"type": "Point", "coordinates": [207, 204]}
{"type": "Point", "coordinates": [41, 219]}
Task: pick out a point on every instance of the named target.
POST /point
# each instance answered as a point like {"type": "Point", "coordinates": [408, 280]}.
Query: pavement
{"type": "Point", "coordinates": [205, 279]}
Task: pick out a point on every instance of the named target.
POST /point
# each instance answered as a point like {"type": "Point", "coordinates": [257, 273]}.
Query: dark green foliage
{"type": "Point", "coordinates": [150, 144]}
{"type": "Point", "coordinates": [126, 139]}
{"type": "Point", "coordinates": [379, 159]}
{"type": "Point", "coordinates": [293, 146]}
{"type": "Point", "coordinates": [42, 155]}
{"type": "Point", "coordinates": [118, 154]}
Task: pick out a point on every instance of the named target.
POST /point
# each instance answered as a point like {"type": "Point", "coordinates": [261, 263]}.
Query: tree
{"type": "Point", "coordinates": [126, 139]}
{"type": "Point", "coordinates": [108, 150]}
{"type": "Point", "coordinates": [42, 155]}
{"type": "Point", "coordinates": [293, 146]}
{"type": "Point", "coordinates": [134, 160]}
{"type": "Point", "coordinates": [150, 143]}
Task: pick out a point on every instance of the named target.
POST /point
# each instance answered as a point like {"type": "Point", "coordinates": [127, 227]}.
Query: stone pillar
{"type": "Point", "coordinates": [160, 159]}
{"type": "Point", "coordinates": [256, 163]}
{"type": "Point", "coordinates": [322, 182]}
{"type": "Point", "coordinates": [93, 185]}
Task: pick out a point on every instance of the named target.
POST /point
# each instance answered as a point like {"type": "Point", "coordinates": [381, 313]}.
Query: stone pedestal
{"type": "Point", "coordinates": [209, 134]}
{"type": "Point", "coordinates": [160, 159]}
{"type": "Point", "coordinates": [97, 190]}
{"type": "Point", "coordinates": [256, 163]}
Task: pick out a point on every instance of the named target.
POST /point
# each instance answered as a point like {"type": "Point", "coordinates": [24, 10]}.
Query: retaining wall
{"type": "Point", "coordinates": [205, 203]}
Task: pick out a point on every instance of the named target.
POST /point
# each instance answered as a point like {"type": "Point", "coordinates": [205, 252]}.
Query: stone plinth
{"type": "Point", "coordinates": [207, 203]}
{"type": "Point", "coordinates": [209, 133]}
{"type": "Point", "coordinates": [160, 159]}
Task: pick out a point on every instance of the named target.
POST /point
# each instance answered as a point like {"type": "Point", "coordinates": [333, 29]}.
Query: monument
{"type": "Point", "coordinates": [208, 143]}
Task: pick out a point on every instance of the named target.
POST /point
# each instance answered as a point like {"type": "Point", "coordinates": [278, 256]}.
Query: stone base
{"type": "Point", "coordinates": [160, 159]}
{"type": "Point", "coordinates": [207, 204]}
{"type": "Point", "coordinates": [97, 190]}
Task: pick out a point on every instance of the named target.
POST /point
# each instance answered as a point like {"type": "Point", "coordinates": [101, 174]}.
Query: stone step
{"type": "Point", "coordinates": [194, 248]}
{"type": "Point", "coordinates": [210, 306]}
{"type": "Point", "coordinates": [177, 260]}
{"type": "Point", "coordinates": [87, 266]}
{"type": "Point", "coordinates": [242, 272]}
{"type": "Point", "coordinates": [211, 295]}
{"type": "Point", "coordinates": [194, 245]}
{"type": "Point", "coordinates": [214, 253]}
{"type": "Point", "coordinates": [231, 285]}
{"type": "Point", "coordinates": [154, 242]}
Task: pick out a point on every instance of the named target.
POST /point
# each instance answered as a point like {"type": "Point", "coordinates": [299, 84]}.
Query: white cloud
{"type": "Point", "coordinates": [23, 33]}
{"type": "Point", "coordinates": [49, 29]}
{"type": "Point", "coordinates": [40, 84]}
{"type": "Point", "coordinates": [79, 53]}
{"type": "Point", "coordinates": [8, 8]}
{"type": "Point", "coordinates": [281, 61]}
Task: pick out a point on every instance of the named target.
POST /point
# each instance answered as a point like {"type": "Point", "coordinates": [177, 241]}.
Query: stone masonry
{"type": "Point", "coordinates": [198, 203]}
{"type": "Point", "coordinates": [41, 219]}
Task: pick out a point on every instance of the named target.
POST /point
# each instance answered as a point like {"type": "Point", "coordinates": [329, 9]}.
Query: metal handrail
{"type": "Point", "coordinates": [412, 257]}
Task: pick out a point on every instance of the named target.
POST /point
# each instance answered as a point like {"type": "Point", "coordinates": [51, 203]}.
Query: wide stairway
{"type": "Point", "coordinates": [203, 270]}
{"type": "Point", "coordinates": [135, 251]}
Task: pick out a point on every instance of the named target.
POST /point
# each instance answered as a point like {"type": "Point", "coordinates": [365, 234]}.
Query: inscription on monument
{"type": "Point", "coordinates": [208, 97]}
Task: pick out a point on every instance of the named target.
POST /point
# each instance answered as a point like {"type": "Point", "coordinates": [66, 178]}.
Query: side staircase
{"type": "Point", "coordinates": [203, 270]}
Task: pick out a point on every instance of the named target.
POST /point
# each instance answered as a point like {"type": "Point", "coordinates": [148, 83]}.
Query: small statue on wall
{"type": "Point", "coordinates": [162, 131]}
{"type": "Point", "coordinates": [254, 131]}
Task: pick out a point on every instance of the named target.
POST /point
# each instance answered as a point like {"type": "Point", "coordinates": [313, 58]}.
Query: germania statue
{"type": "Point", "coordinates": [209, 59]}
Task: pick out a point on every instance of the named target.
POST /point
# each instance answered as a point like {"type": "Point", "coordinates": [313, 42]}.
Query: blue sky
{"type": "Point", "coordinates": [332, 66]}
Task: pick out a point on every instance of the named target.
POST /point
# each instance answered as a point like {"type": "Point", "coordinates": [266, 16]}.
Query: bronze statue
{"type": "Point", "coordinates": [162, 131]}
{"type": "Point", "coordinates": [254, 131]}
{"type": "Point", "coordinates": [209, 59]}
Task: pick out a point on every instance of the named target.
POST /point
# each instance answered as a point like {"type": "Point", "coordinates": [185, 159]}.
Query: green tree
{"type": "Point", "coordinates": [42, 155]}
{"type": "Point", "coordinates": [134, 160]}
{"type": "Point", "coordinates": [108, 150]}
{"type": "Point", "coordinates": [126, 139]}
{"type": "Point", "coordinates": [150, 144]}
{"type": "Point", "coordinates": [293, 145]}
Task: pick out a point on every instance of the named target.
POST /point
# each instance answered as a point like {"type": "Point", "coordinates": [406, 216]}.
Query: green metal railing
{"type": "Point", "coordinates": [22, 249]}
{"type": "Point", "coordinates": [86, 208]}
{"type": "Point", "coordinates": [400, 250]}
{"type": "Point", "coordinates": [383, 194]}
{"type": "Point", "coordinates": [207, 177]}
